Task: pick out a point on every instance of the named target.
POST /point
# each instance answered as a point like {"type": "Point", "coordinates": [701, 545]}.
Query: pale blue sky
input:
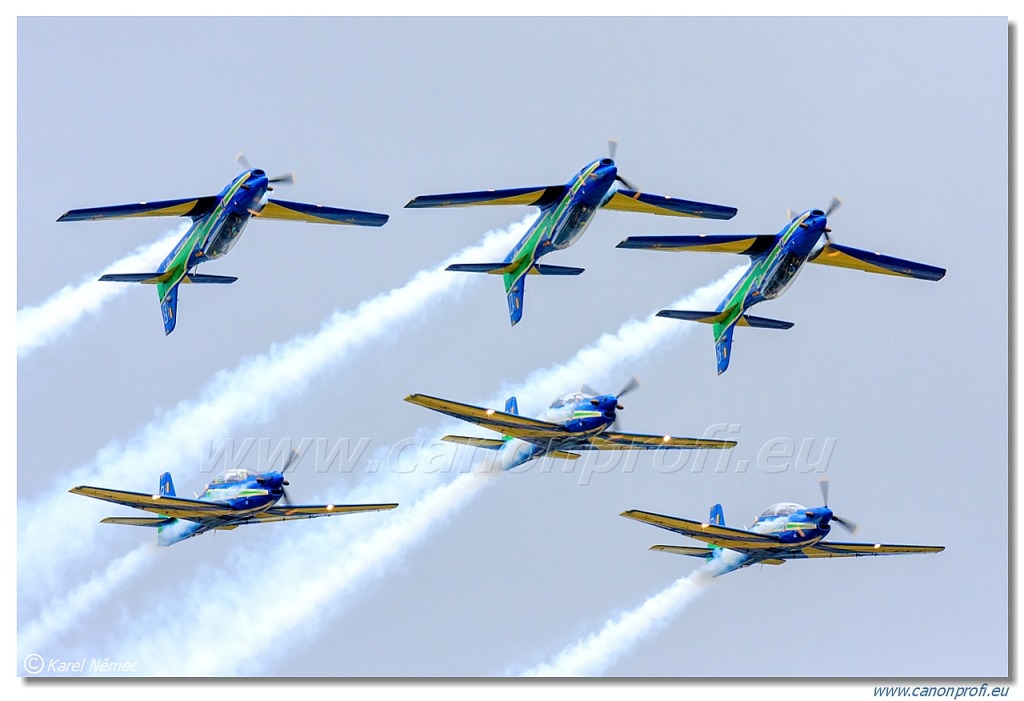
{"type": "Point", "coordinates": [905, 119]}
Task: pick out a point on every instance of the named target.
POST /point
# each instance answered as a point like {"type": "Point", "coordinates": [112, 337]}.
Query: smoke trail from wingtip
{"type": "Point", "coordinates": [50, 526]}
{"type": "Point", "coordinates": [61, 614]}
{"type": "Point", "coordinates": [318, 589]}
{"type": "Point", "coordinates": [46, 322]}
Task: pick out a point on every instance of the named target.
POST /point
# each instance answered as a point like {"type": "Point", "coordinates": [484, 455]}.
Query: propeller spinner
{"type": "Point", "coordinates": [850, 526]}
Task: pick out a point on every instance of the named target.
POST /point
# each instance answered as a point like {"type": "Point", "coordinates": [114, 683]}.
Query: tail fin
{"type": "Point", "coordinates": [717, 517]}
{"type": "Point", "coordinates": [512, 406]}
{"type": "Point", "coordinates": [723, 346]}
{"type": "Point", "coordinates": [166, 485]}
{"type": "Point", "coordinates": [169, 309]}
{"type": "Point", "coordinates": [515, 301]}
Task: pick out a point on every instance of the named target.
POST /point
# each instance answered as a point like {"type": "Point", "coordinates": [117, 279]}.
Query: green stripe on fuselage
{"type": "Point", "coordinates": [179, 263]}
{"type": "Point", "coordinates": [526, 255]}
{"type": "Point", "coordinates": [753, 278]}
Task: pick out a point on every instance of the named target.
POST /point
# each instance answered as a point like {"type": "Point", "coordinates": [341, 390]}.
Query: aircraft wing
{"type": "Point", "coordinates": [189, 207]}
{"type": "Point", "coordinates": [531, 196]}
{"type": "Point", "coordinates": [847, 257]}
{"type": "Point", "coordinates": [827, 549]}
{"type": "Point", "coordinates": [722, 536]}
{"type": "Point", "coordinates": [631, 201]}
{"type": "Point", "coordinates": [174, 507]}
{"type": "Point", "coordinates": [746, 244]}
{"type": "Point", "coordinates": [319, 214]}
{"type": "Point", "coordinates": [507, 424]}
{"type": "Point", "coordinates": [291, 513]}
{"type": "Point", "coordinates": [641, 441]}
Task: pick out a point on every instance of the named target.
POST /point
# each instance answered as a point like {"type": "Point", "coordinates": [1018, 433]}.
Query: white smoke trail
{"type": "Point", "coordinates": [596, 653]}
{"type": "Point", "coordinates": [317, 586]}
{"type": "Point", "coordinates": [40, 325]}
{"type": "Point", "coordinates": [50, 527]}
{"type": "Point", "coordinates": [60, 614]}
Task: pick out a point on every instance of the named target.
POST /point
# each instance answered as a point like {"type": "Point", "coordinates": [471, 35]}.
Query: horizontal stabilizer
{"type": "Point", "coordinates": [562, 455]}
{"type": "Point", "coordinates": [319, 214]}
{"type": "Point", "coordinates": [760, 322]}
{"type": "Point", "coordinates": [150, 522]}
{"type": "Point", "coordinates": [532, 196]}
{"type": "Point", "coordinates": [145, 278]}
{"type": "Point", "coordinates": [539, 269]}
{"type": "Point", "coordinates": [685, 550]}
{"type": "Point", "coordinates": [757, 322]}
{"type": "Point", "coordinates": [197, 279]}
{"type": "Point", "coordinates": [686, 315]}
{"type": "Point", "coordinates": [490, 268]}
{"type": "Point", "coordinates": [489, 443]}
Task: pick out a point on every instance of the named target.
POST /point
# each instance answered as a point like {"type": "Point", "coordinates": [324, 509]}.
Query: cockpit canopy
{"type": "Point", "coordinates": [232, 476]}
{"type": "Point", "coordinates": [566, 399]}
{"type": "Point", "coordinates": [781, 509]}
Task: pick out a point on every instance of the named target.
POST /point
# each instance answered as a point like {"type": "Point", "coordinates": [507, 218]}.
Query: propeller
{"type": "Point", "coordinates": [285, 179]}
{"type": "Point", "coordinates": [629, 387]}
{"type": "Point", "coordinates": [292, 457]}
{"type": "Point", "coordinates": [613, 146]}
{"type": "Point", "coordinates": [832, 206]}
{"type": "Point", "coordinates": [850, 526]}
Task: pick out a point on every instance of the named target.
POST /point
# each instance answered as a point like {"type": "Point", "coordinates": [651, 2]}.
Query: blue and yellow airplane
{"type": "Point", "coordinates": [783, 532]}
{"type": "Point", "coordinates": [217, 223]}
{"type": "Point", "coordinates": [234, 498]}
{"type": "Point", "coordinates": [574, 422]}
{"type": "Point", "coordinates": [775, 261]}
{"type": "Point", "coordinates": [565, 213]}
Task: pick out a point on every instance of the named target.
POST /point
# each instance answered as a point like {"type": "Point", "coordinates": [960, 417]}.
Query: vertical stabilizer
{"type": "Point", "coordinates": [166, 485]}
{"type": "Point", "coordinates": [515, 300]}
{"type": "Point", "coordinates": [169, 309]}
{"type": "Point", "coordinates": [723, 347]}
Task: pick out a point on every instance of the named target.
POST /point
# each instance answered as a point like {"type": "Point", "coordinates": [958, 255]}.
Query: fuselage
{"type": "Point", "coordinates": [561, 223]}
{"type": "Point", "coordinates": [796, 526]}
{"type": "Point", "coordinates": [582, 414]}
{"type": "Point", "coordinates": [773, 272]}
{"type": "Point", "coordinates": [214, 234]}
{"type": "Point", "coordinates": [245, 493]}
